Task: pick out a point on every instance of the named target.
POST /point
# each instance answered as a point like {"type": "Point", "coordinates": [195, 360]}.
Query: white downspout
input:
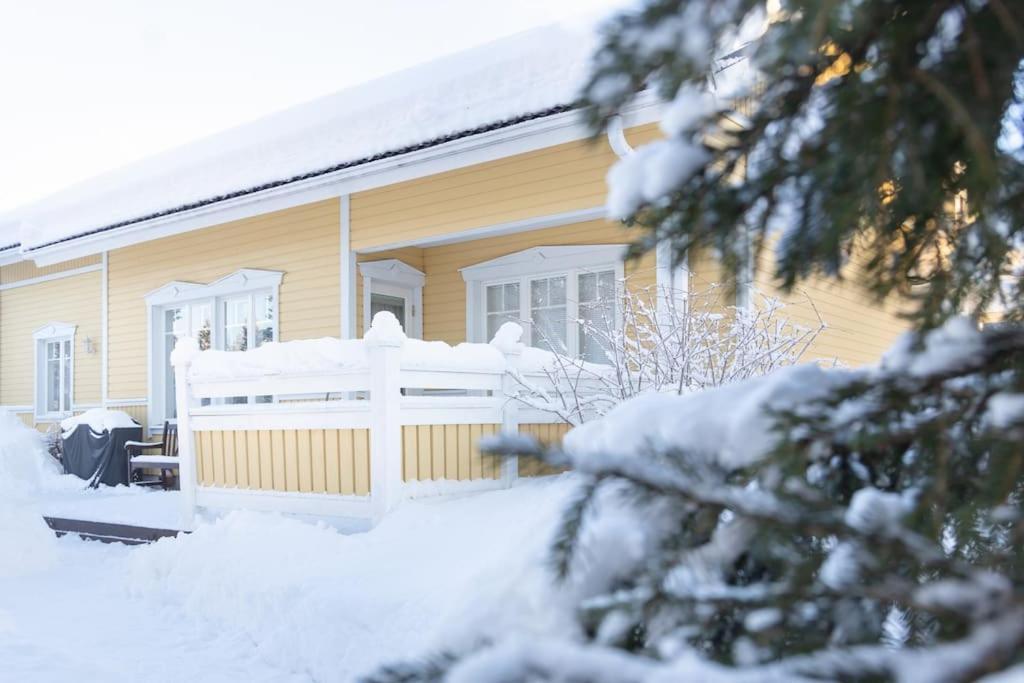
{"type": "Point", "coordinates": [674, 281]}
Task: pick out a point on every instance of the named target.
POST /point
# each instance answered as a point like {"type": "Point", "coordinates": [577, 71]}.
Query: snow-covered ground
{"type": "Point", "coordinates": [262, 597]}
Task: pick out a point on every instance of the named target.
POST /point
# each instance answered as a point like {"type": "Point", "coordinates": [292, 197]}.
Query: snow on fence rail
{"type": "Point", "coordinates": [353, 422]}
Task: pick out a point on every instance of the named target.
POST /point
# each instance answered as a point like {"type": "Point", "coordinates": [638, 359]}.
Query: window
{"type": "Point", "coordinates": [236, 313]}
{"type": "Point", "coordinates": [565, 297]}
{"type": "Point", "coordinates": [54, 373]}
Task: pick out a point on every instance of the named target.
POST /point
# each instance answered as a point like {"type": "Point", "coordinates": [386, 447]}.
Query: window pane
{"type": "Point", "coordinates": [383, 302]}
{"type": "Point", "coordinates": [53, 383]}
{"type": "Point", "coordinates": [236, 324]}
{"type": "Point", "coordinates": [597, 314]}
{"type": "Point", "coordinates": [202, 325]}
{"type": "Point", "coordinates": [502, 306]}
{"type": "Point", "coordinates": [172, 317]}
{"type": "Point", "coordinates": [66, 369]}
{"type": "Point", "coordinates": [548, 314]}
{"type": "Point", "coordinates": [265, 319]}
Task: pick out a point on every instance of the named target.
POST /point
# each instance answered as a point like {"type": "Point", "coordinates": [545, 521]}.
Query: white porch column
{"type": "Point", "coordinates": [384, 342]}
{"type": "Point", "coordinates": [347, 268]}
{"type": "Point", "coordinates": [673, 282]}
{"type": "Point", "coordinates": [184, 352]}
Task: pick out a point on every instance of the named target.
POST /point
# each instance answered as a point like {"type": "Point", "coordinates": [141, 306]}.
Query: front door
{"type": "Point", "coordinates": [397, 300]}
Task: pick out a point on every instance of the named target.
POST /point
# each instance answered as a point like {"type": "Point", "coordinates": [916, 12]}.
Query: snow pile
{"type": "Point", "coordinates": [943, 349]}
{"type": "Point", "coordinates": [99, 420]}
{"type": "Point", "coordinates": [300, 357]}
{"type": "Point", "coordinates": [432, 575]}
{"type": "Point", "coordinates": [730, 424]}
{"type": "Point", "coordinates": [26, 470]}
{"type": "Point", "coordinates": [524, 74]}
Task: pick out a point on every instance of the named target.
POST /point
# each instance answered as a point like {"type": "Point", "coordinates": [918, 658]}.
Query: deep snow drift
{"type": "Point", "coordinates": [263, 597]}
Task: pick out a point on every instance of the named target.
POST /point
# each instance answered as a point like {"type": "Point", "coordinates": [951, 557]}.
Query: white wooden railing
{"type": "Point", "coordinates": [391, 390]}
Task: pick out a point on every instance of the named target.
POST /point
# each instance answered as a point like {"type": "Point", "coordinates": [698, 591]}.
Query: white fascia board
{"type": "Point", "coordinates": [476, 149]}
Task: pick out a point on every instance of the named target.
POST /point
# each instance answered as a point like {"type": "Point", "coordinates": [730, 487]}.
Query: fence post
{"type": "Point", "coordinates": [384, 342]}
{"type": "Point", "coordinates": [185, 350]}
{"type": "Point", "coordinates": [507, 341]}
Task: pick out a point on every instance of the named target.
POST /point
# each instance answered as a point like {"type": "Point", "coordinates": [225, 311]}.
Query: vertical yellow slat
{"type": "Point", "coordinates": [423, 451]}
{"type": "Point", "coordinates": [524, 463]}
{"type": "Point", "coordinates": [451, 452]}
{"type": "Point", "coordinates": [346, 448]}
{"type": "Point", "coordinates": [437, 451]}
{"type": "Point", "coordinates": [492, 464]}
{"type": "Point", "coordinates": [319, 462]}
{"type": "Point", "coordinates": [252, 449]}
{"type": "Point", "coordinates": [410, 465]}
{"type": "Point", "coordinates": [465, 452]}
{"type": "Point", "coordinates": [305, 460]}
{"type": "Point", "coordinates": [475, 463]}
{"type": "Point", "coordinates": [217, 447]}
{"type": "Point", "coordinates": [291, 460]}
{"type": "Point", "coordinates": [266, 461]}
{"type": "Point", "coordinates": [228, 444]}
{"type": "Point", "coordinates": [332, 461]}
{"type": "Point", "coordinates": [241, 459]}
{"type": "Point", "coordinates": [362, 458]}
{"type": "Point", "coordinates": [201, 454]}
{"type": "Point", "coordinates": [278, 457]}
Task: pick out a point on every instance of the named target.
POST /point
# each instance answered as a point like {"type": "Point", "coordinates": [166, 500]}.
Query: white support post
{"type": "Point", "coordinates": [510, 411]}
{"type": "Point", "coordinates": [384, 342]}
{"type": "Point", "coordinates": [181, 358]}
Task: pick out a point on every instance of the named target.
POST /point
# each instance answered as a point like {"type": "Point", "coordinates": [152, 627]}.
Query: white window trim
{"type": "Point", "coordinates": [177, 293]}
{"type": "Point", "coordinates": [51, 332]}
{"type": "Point", "coordinates": [535, 263]}
{"type": "Point", "coordinates": [395, 273]}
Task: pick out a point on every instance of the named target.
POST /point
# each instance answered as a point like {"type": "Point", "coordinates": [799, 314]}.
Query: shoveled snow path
{"type": "Point", "coordinates": [76, 622]}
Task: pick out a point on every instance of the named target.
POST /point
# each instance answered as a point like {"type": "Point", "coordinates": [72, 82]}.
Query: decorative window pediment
{"type": "Point", "coordinates": [241, 280]}
{"type": "Point", "coordinates": [393, 270]}
{"type": "Point", "coordinates": [543, 259]}
{"type": "Point", "coordinates": [55, 329]}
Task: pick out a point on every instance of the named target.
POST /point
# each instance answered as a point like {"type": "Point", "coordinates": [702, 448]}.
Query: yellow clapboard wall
{"type": "Point", "coordinates": [547, 435]}
{"type": "Point", "coordinates": [303, 242]}
{"type": "Point", "coordinates": [23, 310]}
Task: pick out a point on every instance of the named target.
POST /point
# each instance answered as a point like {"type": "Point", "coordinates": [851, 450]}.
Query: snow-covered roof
{"type": "Point", "coordinates": [526, 76]}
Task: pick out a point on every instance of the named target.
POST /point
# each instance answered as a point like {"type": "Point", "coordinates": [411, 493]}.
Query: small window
{"type": "Point", "coordinates": [54, 373]}
{"type": "Point", "coordinates": [596, 314]}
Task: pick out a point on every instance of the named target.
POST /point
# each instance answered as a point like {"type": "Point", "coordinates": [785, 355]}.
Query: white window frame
{"type": "Point", "coordinates": [53, 332]}
{"type": "Point", "coordinates": [246, 282]}
{"type": "Point", "coordinates": [536, 263]}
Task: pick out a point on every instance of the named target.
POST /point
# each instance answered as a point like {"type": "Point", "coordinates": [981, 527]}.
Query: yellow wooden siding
{"type": "Point", "coordinates": [547, 435]}
{"type": "Point", "coordinates": [23, 310]}
{"type": "Point", "coordinates": [860, 329]}
{"type": "Point", "coordinates": [303, 242]}
{"type": "Point", "coordinates": [548, 181]}
{"type": "Point", "coordinates": [444, 295]}
{"type": "Point", "coordinates": [137, 412]}
{"type": "Point", "coordinates": [26, 270]}
{"type": "Point", "coordinates": [333, 461]}
{"type": "Point", "coordinates": [432, 452]}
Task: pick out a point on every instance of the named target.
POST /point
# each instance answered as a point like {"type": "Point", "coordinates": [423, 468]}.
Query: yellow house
{"type": "Point", "coordinates": [456, 195]}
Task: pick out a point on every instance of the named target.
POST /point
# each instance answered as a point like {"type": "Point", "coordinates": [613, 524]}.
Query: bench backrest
{"type": "Point", "coordinates": [170, 438]}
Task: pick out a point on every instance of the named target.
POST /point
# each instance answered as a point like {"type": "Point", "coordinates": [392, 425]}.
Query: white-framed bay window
{"type": "Point", "coordinates": [556, 293]}
{"type": "Point", "coordinates": [235, 313]}
{"type": "Point", "coordinates": [54, 353]}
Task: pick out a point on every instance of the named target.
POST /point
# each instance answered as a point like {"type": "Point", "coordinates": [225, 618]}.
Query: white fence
{"type": "Point", "coordinates": [347, 418]}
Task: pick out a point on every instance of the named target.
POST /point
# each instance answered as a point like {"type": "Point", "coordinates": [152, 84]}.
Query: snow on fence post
{"type": "Point", "coordinates": [185, 350]}
{"type": "Point", "coordinates": [384, 342]}
{"type": "Point", "coordinates": [507, 340]}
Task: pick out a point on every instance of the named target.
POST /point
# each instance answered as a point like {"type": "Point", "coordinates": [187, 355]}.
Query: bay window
{"type": "Point", "coordinates": [564, 297]}
{"type": "Point", "coordinates": [235, 313]}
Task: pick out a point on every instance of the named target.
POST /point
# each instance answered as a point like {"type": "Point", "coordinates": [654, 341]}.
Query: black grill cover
{"type": "Point", "coordinates": [99, 458]}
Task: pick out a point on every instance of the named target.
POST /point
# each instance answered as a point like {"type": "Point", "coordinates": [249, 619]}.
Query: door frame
{"type": "Point", "coordinates": [395, 278]}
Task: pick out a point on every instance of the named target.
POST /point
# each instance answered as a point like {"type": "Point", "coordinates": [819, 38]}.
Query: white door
{"type": "Point", "coordinates": [399, 300]}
